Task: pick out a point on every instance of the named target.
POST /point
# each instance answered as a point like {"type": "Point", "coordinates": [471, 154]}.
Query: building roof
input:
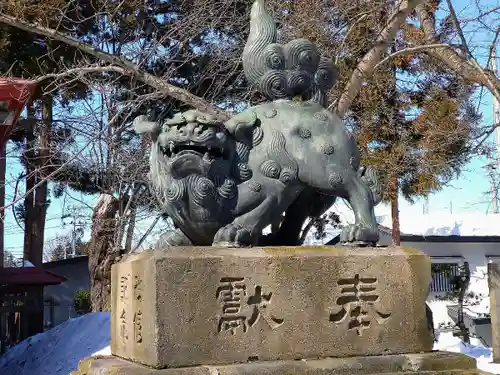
{"type": "Point", "coordinates": [451, 238]}
{"type": "Point", "coordinates": [28, 276]}
{"type": "Point", "coordinates": [56, 263]}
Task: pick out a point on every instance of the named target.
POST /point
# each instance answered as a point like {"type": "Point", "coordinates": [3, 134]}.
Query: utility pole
{"type": "Point", "coordinates": [78, 224]}
{"type": "Point", "coordinates": [426, 205]}
{"type": "Point", "coordinates": [491, 167]}
{"type": "Point", "coordinates": [496, 107]}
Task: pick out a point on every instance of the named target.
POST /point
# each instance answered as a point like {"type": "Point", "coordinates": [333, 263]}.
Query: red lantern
{"type": "Point", "coordinates": [14, 94]}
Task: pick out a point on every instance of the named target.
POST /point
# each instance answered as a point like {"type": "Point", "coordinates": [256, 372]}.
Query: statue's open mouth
{"type": "Point", "coordinates": [205, 152]}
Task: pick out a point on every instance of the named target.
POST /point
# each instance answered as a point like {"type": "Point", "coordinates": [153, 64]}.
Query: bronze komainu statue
{"type": "Point", "coordinates": [224, 182]}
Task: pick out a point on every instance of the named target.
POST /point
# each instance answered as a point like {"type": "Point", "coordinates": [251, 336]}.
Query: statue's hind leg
{"type": "Point", "coordinates": [345, 182]}
{"type": "Point", "coordinates": [364, 231]}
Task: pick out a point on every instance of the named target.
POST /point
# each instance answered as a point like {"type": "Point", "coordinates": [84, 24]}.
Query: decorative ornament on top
{"type": "Point", "coordinates": [222, 183]}
{"type": "Point", "coordinates": [284, 71]}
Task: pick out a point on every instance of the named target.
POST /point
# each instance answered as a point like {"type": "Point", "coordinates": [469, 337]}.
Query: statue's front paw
{"type": "Point", "coordinates": [173, 238]}
{"type": "Point", "coordinates": [358, 235]}
{"type": "Point", "coordinates": [233, 235]}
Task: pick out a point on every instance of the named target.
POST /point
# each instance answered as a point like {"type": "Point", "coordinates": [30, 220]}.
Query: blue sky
{"type": "Point", "coordinates": [464, 194]}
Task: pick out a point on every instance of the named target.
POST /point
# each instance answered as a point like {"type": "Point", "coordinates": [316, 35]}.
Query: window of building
{"type": "Point", "coordinates": [443, 274]}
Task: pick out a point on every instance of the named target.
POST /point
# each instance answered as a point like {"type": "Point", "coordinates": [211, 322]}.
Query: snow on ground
{"type": "Point", "coordinates": [58, 351]}
{"type": "Point", "coordinates": [447, 342]}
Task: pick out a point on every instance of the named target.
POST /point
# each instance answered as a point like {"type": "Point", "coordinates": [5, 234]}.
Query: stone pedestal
{"type": "Point", "coordinates": [436, 363]}
{"type": "Point", "coordinates": [207, 306]}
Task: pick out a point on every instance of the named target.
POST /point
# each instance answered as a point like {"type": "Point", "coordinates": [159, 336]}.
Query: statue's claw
{"type": "Point", "coordinates": [173, 238]}
{"type": "Point", "coordinates": [357, 235]}
{"type": "Point", "coordinates": [232, 235]}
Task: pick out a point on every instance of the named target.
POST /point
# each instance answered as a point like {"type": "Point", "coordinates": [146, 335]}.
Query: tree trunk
{"type": "Point", "coordinates": [43, 160]}
{"type": "Point", "coordinates": [396, 230]}
{"type": "Point", "coordinates": [463, 285]}
{"type": "Point", "coordinates": [29, 214]}
{"type": "Point", "coordinates": [130, 229]}
{"type": "Point", "coordinates": [101, 251]}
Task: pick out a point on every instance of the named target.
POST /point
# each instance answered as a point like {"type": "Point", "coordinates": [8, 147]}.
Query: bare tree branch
{"type": "Point", "coordinates": [80, 72]}
{"type": "Point", "coordinates": [127, 67]}
{"type": "Point", "coordinates": [143, 238]}
{"type": "Point", "coordinates": [366, 66]}
{"type": "Point", "coordinates": [408, 51]}
{"type": "Point", "coordinates": [465, 65]}
{"type": "Point", "coordinates": [473, 61]}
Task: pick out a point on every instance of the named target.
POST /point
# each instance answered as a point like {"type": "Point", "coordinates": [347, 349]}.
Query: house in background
{"type": "Point", "coordinates": [59, 298]}
{"type": "Point", "coordinates": [478, 251]}
{"type": "Point", "coordinates": [453, 251]}
{"type": "Point", "coordinates": [21, 310]}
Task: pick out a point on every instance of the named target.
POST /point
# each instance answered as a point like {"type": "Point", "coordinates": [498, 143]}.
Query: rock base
{"type": "Point", "coordinates": [215, 306]}
{"type": "Point", "coordinates": [433, 363]}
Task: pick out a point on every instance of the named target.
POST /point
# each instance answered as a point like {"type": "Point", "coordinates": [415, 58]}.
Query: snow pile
{"type": "Point", "coordinates": [440, 313]}
{"type": "Point", "coordinates": [447, 342]}
{"type": "Point", "coordinates": [445, 224]}
{"type": "Point", "coordinates": [58, 351]}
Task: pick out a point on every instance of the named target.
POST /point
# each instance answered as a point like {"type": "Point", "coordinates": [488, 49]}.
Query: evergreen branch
{"type": "Point", "coordinates": [128, 67]}
{"type": "Point", "coordinates": [367, 64]}
{"type": "Point", "coordinates": [409, 51]}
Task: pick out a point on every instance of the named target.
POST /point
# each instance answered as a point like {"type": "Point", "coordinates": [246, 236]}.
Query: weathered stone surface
{"type": "Point", "coordinates": [191, 306]}
{"type": "Point", "coordinates": [435, 363]}
{"type": "Point", "coordinates": [494, 288]}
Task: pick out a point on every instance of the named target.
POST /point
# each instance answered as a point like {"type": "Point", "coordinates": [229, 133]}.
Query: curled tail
{"type": "Point", "coordinates": [370, 177]}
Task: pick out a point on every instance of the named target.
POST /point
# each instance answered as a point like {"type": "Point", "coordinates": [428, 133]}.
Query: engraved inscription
{"type": "Point", "coordinates": [259, 302]}
{"type": "Point", "coordinates": [123, 287]}
{"type": "Point", "coordinates": [138, 288]}
{"type": "Point", "coordinates": [138, 326]}
{"type": "Point", "coordinates": [138, 291]}
{"type": "Point", "coordinates": [124, 280]}
{"type": "Point", "coordinates": [231, 294]}
{"type": "Point", "coordinates": [357, 298]}
{"type": "Point", "coordinates": [123, 326]}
